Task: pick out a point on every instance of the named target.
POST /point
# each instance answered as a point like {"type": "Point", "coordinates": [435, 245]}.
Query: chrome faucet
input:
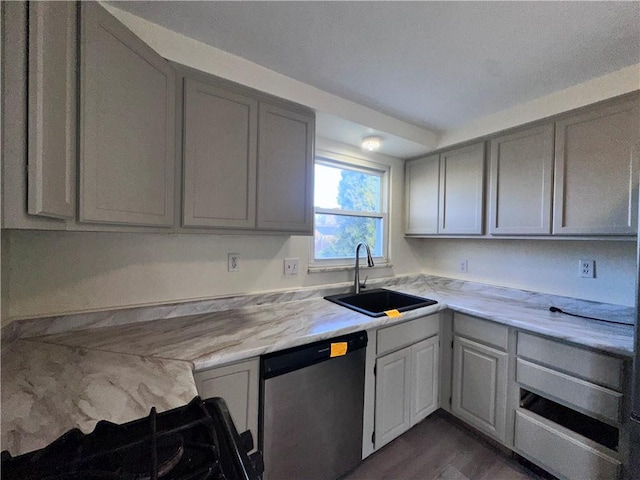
{"type": "Point", "coordinates": [356, 280]}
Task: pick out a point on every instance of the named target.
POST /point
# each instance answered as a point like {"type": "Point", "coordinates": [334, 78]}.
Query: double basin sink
{"type": "Point", "coordinates": [378, 301]}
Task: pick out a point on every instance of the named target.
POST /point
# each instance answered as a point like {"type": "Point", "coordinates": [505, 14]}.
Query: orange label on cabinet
{"type": "Point", "coordinates": [393, 313]}
{"type": "Point", "coordinates": [338, 349]}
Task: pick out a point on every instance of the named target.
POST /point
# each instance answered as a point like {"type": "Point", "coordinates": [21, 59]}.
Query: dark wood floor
{"type": "Point", "coordinates": [440, 448]}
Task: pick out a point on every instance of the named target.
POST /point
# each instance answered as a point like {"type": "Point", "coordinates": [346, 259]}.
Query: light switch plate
{"type": "Point", "coordinates": [463, 266]}
{"type": "Point", "coordinates": [291, 266]}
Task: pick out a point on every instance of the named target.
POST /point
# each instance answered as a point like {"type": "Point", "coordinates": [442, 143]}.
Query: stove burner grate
{"type": "Point", "coordinates": [187, 443]}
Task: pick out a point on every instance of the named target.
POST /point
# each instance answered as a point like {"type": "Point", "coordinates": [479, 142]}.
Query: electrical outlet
{"type": "Point", "coordinates": [463, 266]}
{"type": "Point", "coordinates": [291, 266]}
{"type": "Point", "coordinates": [233, 262]}
{"type": "Point", "coordinates": [587, 268]}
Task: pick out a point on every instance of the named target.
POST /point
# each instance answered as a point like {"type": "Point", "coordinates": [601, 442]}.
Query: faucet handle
{"type": "Point", "coordinates": [364, 284]}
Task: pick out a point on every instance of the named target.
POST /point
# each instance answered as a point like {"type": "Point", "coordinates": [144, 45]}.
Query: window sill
{"type": "Point", "coordinates": [344, 268]}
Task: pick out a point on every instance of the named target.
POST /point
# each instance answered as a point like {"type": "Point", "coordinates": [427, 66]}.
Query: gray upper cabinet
{"type": "Point", "coordinates": [285, 169]}
{"type": "Point", "coordinates": [596, 171]}
{"type": "Point", "coordinates": [521, 182]}
{"type": "Point", "coordinates": [127, 126]}
{"type": "Point", "coordinates": [461, 201]}
{"type": "Point", "coordinates": [52, 109]}
{"type": "Point", "coordinates": [422, 177]}
{"type": "Point", "coordinates": [445, 193]}
{"type": "Point", "coordinates": [220, 149]}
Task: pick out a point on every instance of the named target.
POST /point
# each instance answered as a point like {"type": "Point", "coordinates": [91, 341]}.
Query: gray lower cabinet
{"type": "Point", "coordinates": [425, 367]}
{"type": "Point", "coordinates": [127, 125]}
{"type": "Point", "coordinates": [52, 109]}
{"type": "Point", "coordinates": [285, 169]}
{"type": "Point", "coordinates": [560, 451]}
{"type": "Point", "coordinates": [479, 383]}
{"type": "Point", "coordinates": [596, 171]}
{"type": "Point", "coordinates": [238, 384]}
{"type": "Point", "coordinates": [406, 388]}
{"type": "Point", "coordinates": [219, 154]}
{"type": "Point", "coordinates": [521, 182]}
{"type": "Point", "coordinates": [393, 396]}
{"type": "Point", "coordinates": [570, 415]}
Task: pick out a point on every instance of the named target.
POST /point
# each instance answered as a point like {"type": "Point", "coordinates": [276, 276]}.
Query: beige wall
{"type": "Point", "coordinates": [57, 272]}
{"type": "Point", "coordinates": [548, 266]}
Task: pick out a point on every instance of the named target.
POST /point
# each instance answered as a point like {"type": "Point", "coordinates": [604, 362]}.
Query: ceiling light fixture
{"type": "Point", "coordinates": [372, 143]}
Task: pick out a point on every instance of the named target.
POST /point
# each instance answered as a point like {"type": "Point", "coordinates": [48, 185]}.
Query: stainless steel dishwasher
{"type": "Point", "coordinates": [311, 403]}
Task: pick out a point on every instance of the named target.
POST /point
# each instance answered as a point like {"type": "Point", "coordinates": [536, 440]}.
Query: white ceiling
{"type": "Point", "coordinates": [437, 65]}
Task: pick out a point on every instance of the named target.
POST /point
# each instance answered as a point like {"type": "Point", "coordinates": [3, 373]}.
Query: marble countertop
{"type": "Point", "coordinates": [49, 389]}
{"type": "Point", "coordinates": [124, 363]}
{"type": "Point", "coordinates": [216, 338]}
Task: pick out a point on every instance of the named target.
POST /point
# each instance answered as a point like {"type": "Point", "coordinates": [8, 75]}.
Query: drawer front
{"type": "Point", "coordinates": [584, 396]}
{"type": "Point", "coordinates": [403, 334]}
{"type": "Point", "coordinates": [489, 333]}
{"type": "Point", "coordinates": [560, 452]}
{"type": "Point", "coordinates": [592, 366]}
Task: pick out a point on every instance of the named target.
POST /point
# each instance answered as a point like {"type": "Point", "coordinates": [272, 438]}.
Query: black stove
{"type": "Point", "coordinates": [198, 441]}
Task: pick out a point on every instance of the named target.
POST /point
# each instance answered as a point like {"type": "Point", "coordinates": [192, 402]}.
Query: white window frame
{"type": "Point", "coordinates": [365, 166]}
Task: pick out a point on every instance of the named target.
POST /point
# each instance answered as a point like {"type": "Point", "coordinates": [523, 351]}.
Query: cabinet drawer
{"type": "Point", "coordinates": [560, 451]}
{"type": "Point", "coordinates": [585, 396]}
{"type": "Point", "coordinates": [403, 334]}
{"type": "Point", "coordinates": [592, 366]}
{"type": "Point", "coordinates": [489, 333]}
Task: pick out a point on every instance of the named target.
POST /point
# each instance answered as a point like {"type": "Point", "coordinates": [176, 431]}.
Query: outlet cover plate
{"type": "Point", "coordinates": [233, 262]}
{"type": "Point", "coordinates": [587, 268]}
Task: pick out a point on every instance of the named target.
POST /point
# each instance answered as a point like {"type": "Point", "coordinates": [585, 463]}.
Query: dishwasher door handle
{"type": "Point", "coordinates": [292, 359]}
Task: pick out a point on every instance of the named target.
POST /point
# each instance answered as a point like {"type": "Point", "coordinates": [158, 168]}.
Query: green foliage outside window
{"type": "Point", "coordinates": [356, 192]}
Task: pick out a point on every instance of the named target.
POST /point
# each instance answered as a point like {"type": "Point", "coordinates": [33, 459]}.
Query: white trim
{"type": "Point", "coordinates": [350, 213]}
{"type": "Point", "coordinates": [346, 268]}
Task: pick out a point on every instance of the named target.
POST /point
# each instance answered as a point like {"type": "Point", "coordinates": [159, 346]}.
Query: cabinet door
{"type": "Point", "coordinates": [393, 396]}
{"type": "Point", "coordinates": [127, 125]}
{"type": "Point", "coordinates": [285, 170]}
{"type": "Point", "coordinates": [424, 381]}
{"type": "Point", "coordinates": [521, 182]}
{"type": "Point", "coordinates": [52, 109]}
{"type": "Point", "coordinates": [479, 388]}
{"type": "Point", "coordinates": [421, 179]}
{"type": "Point", "coordinates": [238, 385]}
{"type": "Point", "coordinates": [596, 172]}
{"type": "Point", "coordinates": [220, 136]}
{"type": "Point", "coordinates": [461, 191]}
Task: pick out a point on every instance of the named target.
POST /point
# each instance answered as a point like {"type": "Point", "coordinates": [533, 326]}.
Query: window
{"type": "Point", "coordinates": [350, 201]}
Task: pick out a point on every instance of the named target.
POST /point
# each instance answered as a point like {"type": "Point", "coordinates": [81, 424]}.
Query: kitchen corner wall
{"type": "Point", "coordinates": [547, 266]}
{"type": "Point", "coordinates": [50, 273]}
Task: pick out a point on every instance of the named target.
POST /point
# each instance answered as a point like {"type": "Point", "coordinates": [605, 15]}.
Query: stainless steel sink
{"type": "Point", "coordinates": [377, 301]}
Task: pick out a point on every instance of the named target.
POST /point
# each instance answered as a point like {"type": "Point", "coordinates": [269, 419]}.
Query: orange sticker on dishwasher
{"type": "Point", "coordinates": [393, 313]}
{"type": "Point", "coordinates": [338, 349]}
